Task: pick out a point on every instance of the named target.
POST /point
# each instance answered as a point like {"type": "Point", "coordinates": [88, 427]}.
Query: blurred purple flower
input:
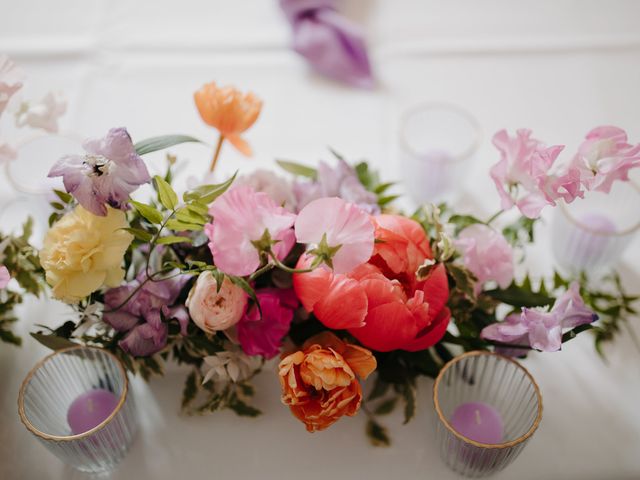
{"type": "Point", "coordinates": [540, 329]}
{"type": "Point", "coordinates": [141, 314]}
{"type": "Point", "coordinates": [107, 174]}
{"type": "Point", "coordinates": [339, 181]}
{"type": "Point", "coordinates": [263, 336]}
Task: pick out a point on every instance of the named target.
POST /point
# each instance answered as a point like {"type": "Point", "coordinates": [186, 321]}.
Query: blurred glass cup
{"type": "Point", "coordinates": [591, 234]}
{"type": "Point", "coordinates": [437, 142]}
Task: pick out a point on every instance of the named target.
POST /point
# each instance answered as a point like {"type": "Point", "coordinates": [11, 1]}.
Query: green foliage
{"type": "Point", "coordinates": [377, 434]}
{"type": "Point", "coordinates": [521, 231]}
{"type": "Point", "coordinates": [205, 194]}
{"type": "Point", "coordinates": [160, 143]}
{"type": "Point", "coordinates": [166, 196]}
{"type": "Point", "coordinates": [150, 213]}
{"type": "Point", "coordinates": [298, 169]}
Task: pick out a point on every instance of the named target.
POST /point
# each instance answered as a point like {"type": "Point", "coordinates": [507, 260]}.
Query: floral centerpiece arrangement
{"type": "Point", "coordinates": [318, 270]}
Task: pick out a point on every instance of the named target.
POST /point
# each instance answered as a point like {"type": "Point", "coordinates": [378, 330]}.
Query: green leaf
{"type": "Point", "coordinates": [463, 221]}
{"type": "Point", "coordinates": [178, 226]}
{"type": "Point", "coordinates": [57, 205]}
{"type": "Point", "coordinates": [243, 409]}
{"type": "Point", "coordinates": [409, 395]}
{"type": "Point", "coordinates": [206, 194]}
{"type": "Point", "coordinates": [166, 195]}
{"type": "Point", "coordinates": [53, 342]}
{"type": "Point", "coordinates": [147, 211]}
{"type": "Point", "coordinates": [140, 234]}
{"type": "Point", "coordinates": [171, 239]}
{"type": "Point", "coordinates": [383, 187]}
{"type": "Point", "coordinates": [518, 297]}
{"type": "Point", "coordinates": [244, 285]}
{"type": "Point", "coordinates": [382, 201]}
{"type": "Point", "coordinates": [63, 196]}
{"type": "Point", "coordinates": [386, 407]}
{"type": "Point", "coordinates": [159, 143]}
{"type": "Point", "coordinates": [8, 336]}
{"type": "Point", "coordinates": [298, 169]}
{"type": "Point", "coordinates": [377, 434]}
{"type": "Point", "coordinates": [380, 387]}
{"type": "Point", "coordinates": [187, 216]}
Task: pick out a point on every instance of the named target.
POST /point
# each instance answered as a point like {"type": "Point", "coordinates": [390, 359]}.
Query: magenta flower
{"type": "Point", "coordinates": [5, 276]}
{"type": "Point", "coordinates": [604, 157]}
{"type": "Point", "coordinates": [541, 329]}
{"type": "Point", "coordinates": [341, 181]}
{"type": "Point", "coordinates": [263, 336]}
{"type": "Point", "coordinates": [106, 175]}
{"type": "Point", "coordinates": [10, 80]}
{"type": "Point", "coordinates": [522, 174]}
{"type": "Point", "coordinates": [241, 217]}
{"type": "Point", "coordinates": [141, 314]}
{"type": "Point", "coordinates": [486, 254]}
{"type": "Point", "coordinates": [340, 233]}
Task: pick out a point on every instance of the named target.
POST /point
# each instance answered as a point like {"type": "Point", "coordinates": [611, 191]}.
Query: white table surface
{"type": "Point", "coordinates": [559, 67]}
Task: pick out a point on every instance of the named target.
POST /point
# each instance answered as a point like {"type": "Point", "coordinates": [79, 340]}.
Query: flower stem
{"type": "Point", "coordinates": [282, 266]}
{"type": "Point", "coordinates": [214, 160]}
{"type": "Point", "coordinates": [494, 216]}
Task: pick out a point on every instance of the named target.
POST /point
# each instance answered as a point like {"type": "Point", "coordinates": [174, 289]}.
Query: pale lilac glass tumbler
{"type": "Point", "coordinates": [50, 389]}
{"type": "Point", "coordinates": [437, 142]}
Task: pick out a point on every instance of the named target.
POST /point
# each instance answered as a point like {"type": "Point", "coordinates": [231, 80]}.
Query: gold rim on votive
{"type": "Point", "coordinates": [445, 421]}
{"type": "Point", "coordinates": [594, 231]}
{"type": "Point", "coordinates": [474, 143]}
{"type": "Point", "coordinates": [67, 438]}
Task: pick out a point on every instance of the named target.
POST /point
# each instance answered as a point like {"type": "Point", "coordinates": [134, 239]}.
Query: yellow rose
{"type": "Point", "coordinates": [83, 252]}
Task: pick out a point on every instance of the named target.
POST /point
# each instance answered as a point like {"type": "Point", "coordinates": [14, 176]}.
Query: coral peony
{"type": "Point", "coordinates": [319, 382]}
{"type": "Point", "coordinates": [262, 335]}
{"type": "Point", "coordinates": [241, 216]}
{"type": "Point", "coordinates": [212, 309]}
{"type": "Point", "coordinates": [382, 303]}
{"type": "Point", "coordinates": [229, 111]}
{"type": "Point", "coordinates": [82, 252]}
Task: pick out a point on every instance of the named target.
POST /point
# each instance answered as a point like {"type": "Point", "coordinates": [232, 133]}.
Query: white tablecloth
{"type": "Point", "coordinates": [557, 66]}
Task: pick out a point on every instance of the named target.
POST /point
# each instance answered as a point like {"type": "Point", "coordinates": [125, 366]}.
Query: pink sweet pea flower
{"type": "Point", "coordinates": [263, 336]}
{"type": "Point", "coordinates": [343, 229]}
{"type": "Point", "coordinates": [541, 329]}
{"type": "Point", "coordinates": [241, 216]}
{"type": "Point", "coordinates": [604, 157]}
{"type": "Point", "coordinates": [486, 254]}
{"type": "Point", "coordinates": [5, 276]}
{"type": "Point", "coordinates": [522, 175]}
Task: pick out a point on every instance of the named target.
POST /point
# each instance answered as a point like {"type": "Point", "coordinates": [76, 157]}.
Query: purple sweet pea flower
{"type": "Point", "coordinates": [141, 315]}
{"type": "Point", "coordinates": [540, 329]}
{"type": "Point", "coordinates": [107, 174]}
{"type": "Point", "coordinates": [339, 181]}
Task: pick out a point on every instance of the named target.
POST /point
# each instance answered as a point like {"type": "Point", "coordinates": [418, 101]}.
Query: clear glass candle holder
{"type": "Point", "coordinates": [48, 392]}
{"type": "Point", "coordinates": [495, 383]}
{"type": "Point", "coordinates": [592, 233]}
{"type": "Point", "coordinates": [437, 141]}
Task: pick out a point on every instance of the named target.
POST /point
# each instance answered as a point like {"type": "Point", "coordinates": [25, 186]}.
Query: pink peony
{"type": "Point", "coordinates": [5, 276]}
{"type": "Point", "coordinates": [346, 230]}
{"type": "Point", "coordinates": [604, 157]}
{"type": "Point", "coordinates": [263, 336]}
{"type": "Point", "coordinates": [522, 174]}
{"type": "Point", "coordinates": [241, 216]}
{"type": "Point", "coordinates": [487, 254]}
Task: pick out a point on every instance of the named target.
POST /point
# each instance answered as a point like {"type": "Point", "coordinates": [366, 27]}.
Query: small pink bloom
{"type": "Point", "coordinates": [214, 310]}
{"type": "Point", "coordinates": [487, 254]}
{"type": "Point", "coordinates": [5, 276]}
{"type": "Point", "coordinates": [263, 336]}
{"type": "Point", "coordinates": [240, 217]}
{"type": "Point", "coordinates": [604, 157]}
{"type": "Point", "coordinates": [43, 114]}
{"type": "Point", "coordinates": [7, 152]}
{"type": "Point", "coordinates": [10, 80]}
{"type": "Point", "coordinates": [522, 174]}
{"type": "Point", "coordinates": [344, 224]}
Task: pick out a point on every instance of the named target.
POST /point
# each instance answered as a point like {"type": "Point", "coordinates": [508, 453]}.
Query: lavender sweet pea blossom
{"type": "Point", "coordinates": [106, 175]}
{"type": "Point", "coordinates": [541, 329]}
{"type": "Point", "coordinates": [141, 315]}
{"type": "Point", "coordinates": [339, 181]}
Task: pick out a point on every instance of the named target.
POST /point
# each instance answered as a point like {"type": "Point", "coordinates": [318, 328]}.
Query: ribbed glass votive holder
{"type": "Point", "coordinates": [501, 395]}
{"type": "Point", "coordinates": [591, 234]}
{"type": "Point", "coordinates": [50, 389]}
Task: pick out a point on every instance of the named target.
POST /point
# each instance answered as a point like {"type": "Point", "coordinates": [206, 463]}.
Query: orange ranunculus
{"type": "Point", "coordinates": [382, 302]}
{"type": "Point", "coordinates": [229, 111]}
{"type": "Point", "coordinates": [319, 382]}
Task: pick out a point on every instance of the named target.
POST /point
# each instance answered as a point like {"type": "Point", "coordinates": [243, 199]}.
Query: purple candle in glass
{"type": "Point", "coordinates": [90, 409]}
{"type": "Point", "coordinates": [479, 422]}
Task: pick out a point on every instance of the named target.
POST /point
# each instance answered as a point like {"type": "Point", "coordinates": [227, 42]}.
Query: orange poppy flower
{"type": "Point", "coordinates": [229, 111]}
{"type": "Point", "coordinates": [319, 382]}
